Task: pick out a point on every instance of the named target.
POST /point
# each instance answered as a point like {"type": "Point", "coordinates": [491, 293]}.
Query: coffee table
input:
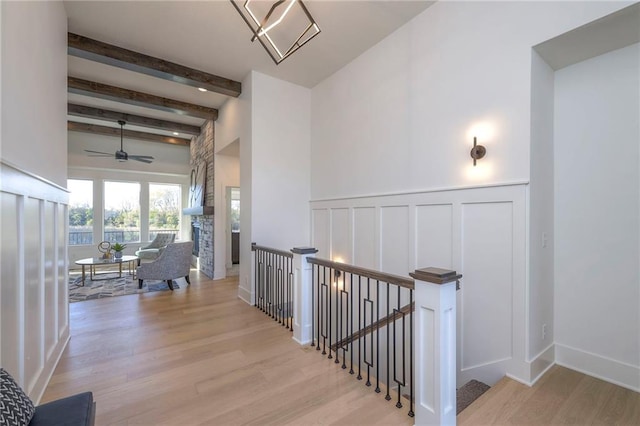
{"type": "Point", "coordinates": [92, 262]}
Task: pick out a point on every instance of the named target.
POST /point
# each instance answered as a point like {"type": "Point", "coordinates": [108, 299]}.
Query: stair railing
{"type": "Point", "coordinates": [394, 332]}
{"type": "Point", "coordinates": [273, 283]}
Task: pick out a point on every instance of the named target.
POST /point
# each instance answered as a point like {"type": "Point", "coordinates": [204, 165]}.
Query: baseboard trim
{"type": "Point", "coordinates": [607, 369]}
{"type": "Point", "coordinates": [245, 295]}
{"type": "Point", "coordinates": [47, 372]}
{"type": "Point", "coordinates": [541, 363]}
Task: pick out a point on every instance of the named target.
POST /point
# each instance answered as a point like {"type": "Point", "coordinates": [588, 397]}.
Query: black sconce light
{"type": "Point", "coordinates": [478, 151]}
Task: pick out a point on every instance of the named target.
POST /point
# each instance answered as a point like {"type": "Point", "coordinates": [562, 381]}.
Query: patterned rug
{"type": "Point", "coordinates": [109, 285]}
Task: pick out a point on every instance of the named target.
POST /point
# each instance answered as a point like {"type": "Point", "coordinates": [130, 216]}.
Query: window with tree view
{"type": "Point", "coordinates": [164, 209]}
{"type": "Point", "coordinates": [122, 211]}
{"type": "Point", "coordinates": [80, 211]}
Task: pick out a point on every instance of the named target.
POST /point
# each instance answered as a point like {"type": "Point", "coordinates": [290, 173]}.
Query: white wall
{"type": "Point", "coordinates": [597, 221]}
{"type": "Point", "coordinates": [401, 119]}
{"type": "Point", "coordinates": [34, 318]}
{"type": "Point", "coordinates": [234, 124]}
{"type": "Point", "coordinates": [281, 163]}
{"type": "Point", "coordinates": [227, 173]}
{"type": "Point", "coordinates": [402, 116]}
{"type": "Point", "coordinates": [274, 167]}
{"type": "Point", "coordinates": [227, 170]}
{"type": "Point", "coordinates": [34, 88]}
{"type": "Point", "coordinates": [541, 229]}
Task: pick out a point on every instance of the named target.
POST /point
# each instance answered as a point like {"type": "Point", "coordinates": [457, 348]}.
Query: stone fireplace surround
{"type": "Point", "coordinates": [202, 148]}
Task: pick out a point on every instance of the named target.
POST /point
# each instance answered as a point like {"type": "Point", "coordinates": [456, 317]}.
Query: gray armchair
{"type": "Point", "coordinates": [174, 262]}
{"type": "Point", "coordinates": [153, 250]}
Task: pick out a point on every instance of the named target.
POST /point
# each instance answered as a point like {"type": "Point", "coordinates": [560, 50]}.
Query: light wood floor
{"type": "Point", "coordinates": [560, 397]}
{"type": "Point", "coordinates": [200, 355]}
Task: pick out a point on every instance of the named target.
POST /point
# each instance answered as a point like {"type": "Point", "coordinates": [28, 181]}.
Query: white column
{"type": "Point", "coordinates": [435, 346]}
{"type": "Point", "coordinates": [303, 295]}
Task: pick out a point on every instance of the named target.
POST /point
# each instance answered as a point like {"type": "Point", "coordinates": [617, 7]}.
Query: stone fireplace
{"type": "Point", "coordinates": [202, 216]}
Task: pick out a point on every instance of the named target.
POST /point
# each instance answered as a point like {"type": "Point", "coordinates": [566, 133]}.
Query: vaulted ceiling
{"type": "Point", "coordinates": [143, 61]}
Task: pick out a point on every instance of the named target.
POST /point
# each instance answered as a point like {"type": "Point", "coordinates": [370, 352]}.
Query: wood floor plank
{"type": "Point", "coordinates": [561, 397]}
{"type": "Point", "coordinates": [200, 355]}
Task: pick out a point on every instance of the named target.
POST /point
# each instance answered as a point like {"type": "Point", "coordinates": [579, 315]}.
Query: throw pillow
{"type": "Point", "coordinates": [16, 409]}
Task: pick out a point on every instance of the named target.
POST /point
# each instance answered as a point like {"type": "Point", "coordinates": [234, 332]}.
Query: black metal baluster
{"type": "Point", "coordinates": [339, 311]}
{"type": "Point", "coordinates": [290, 297]}
{"type": "Point", "coordinates": [325, 321]}
{"type": "Point", "coordinates": [318, 309]}
{"type": "Point", "coordinates": [369, 364]}
{"type": "Point", "coordinates": [330, 317]}
{"type": "Point", "coordinates": [395, 362]}
{"type": "Point", "coordinates": [351, 320]}
{"type": "Point", "coordinates": [378, 336]}
{"type": "Point", "coordinates": [280, 304]}
{"type": "Point", "coordinates": [344, 327]}
{"type": "Point", "coordinates": [360, 302]}
{"type": "Point", "coordinates": [412, 378]}
{"type": "Point", "coordinates": [390, 323]}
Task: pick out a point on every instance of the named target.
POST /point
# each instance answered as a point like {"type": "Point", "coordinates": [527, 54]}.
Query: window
{"type": "Point", "coordinates": [122, 212]}
{"type": "Point", "coordinates": [164, 209]}
{"type": "Point", "coordinates": [80, 212]}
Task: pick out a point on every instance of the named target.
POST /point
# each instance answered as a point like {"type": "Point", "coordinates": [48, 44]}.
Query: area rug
{"type": "Point", "coordinates": [110, 285]}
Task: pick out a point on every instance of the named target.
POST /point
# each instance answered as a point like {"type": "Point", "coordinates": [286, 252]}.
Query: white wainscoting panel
{"type": "Point", "coordinates": [340, 235]}
{"type": "Point", "coordinates": [434, 236]}
{"type": "Point", "coordinates": [364, 237]}
{"type": "Point", "coordinates": [33, 298]}
{"type": "Point", "coordinates": [62, 300]}
{"type": "Point", "coordinates": [479, 232]}
{"type": "Point", "coordinates": [34, 312]}
{"type": "Point", "coordinates": [487, 229]}
{"type": "Point", "coordinates": [11, 295]}
{"type": "Point", "coordinates": [394, 239]}
{"type": "Point", "coordinates": [50, 279]}
{"type": "Point", "coordinates": [320, 232]}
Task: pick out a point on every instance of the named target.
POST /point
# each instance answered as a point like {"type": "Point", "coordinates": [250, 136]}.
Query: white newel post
{"type": "Point", "coordinates": [435, 346]}
{"type": "Point", "coordinates": [303, 295]}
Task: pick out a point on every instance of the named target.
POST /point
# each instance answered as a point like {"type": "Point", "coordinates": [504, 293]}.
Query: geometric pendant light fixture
{"type": "Point", "coordinates": [281, 26]}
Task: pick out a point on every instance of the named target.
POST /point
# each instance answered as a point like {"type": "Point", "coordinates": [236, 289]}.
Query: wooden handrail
{"type": "Point", "coordinates": [255, 247]}
{"type": "Point", "coordinates": [373, 327]}
{"type": "Point", "coordinates": [367, 273]}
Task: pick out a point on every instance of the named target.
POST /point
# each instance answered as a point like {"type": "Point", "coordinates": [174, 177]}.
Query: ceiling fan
{"type": "Point", "coordinates": [121, 155]}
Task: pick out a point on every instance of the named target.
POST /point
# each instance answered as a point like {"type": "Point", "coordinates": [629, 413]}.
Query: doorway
{"type": "Point", "coordinates": [233, 230]}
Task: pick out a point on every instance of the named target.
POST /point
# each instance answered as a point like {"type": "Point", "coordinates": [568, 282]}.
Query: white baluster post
{"type": "Point", "coordinates": [303, 295]}
{"type": "Point", "coordinates": [435, 346]}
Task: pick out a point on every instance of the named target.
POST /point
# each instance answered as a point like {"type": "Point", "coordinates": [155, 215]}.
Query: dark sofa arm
{"type": "Point", "coordinates": [76, 410]}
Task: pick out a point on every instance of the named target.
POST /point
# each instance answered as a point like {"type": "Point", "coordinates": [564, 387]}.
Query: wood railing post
{"type": "Point", "coordinates": [435, 346]}
{"type": "Point", "coordinates": [303, 295]}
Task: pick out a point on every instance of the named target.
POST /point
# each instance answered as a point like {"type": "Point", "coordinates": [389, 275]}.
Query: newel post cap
{"type": "Point", "coordinates": [435, 275]}
{"type": "Point", "coordinates": [304, 250]}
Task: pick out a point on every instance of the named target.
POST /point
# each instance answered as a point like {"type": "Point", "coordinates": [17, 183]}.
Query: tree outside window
{"type": "Point", "coordinates": [164, 209]}
{"type": "Point", "coordinates": [122, 212]}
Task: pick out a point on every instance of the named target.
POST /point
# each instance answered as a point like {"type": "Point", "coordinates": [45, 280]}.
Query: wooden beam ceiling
{"type": "Point", "coordinates": [108, 54]}
{"type": "Point", "coordinates": [115, 116]}
{"type": "Point", "coordinates": [130, 134]}
{"type": "Point", "coordinates": [131, 97]}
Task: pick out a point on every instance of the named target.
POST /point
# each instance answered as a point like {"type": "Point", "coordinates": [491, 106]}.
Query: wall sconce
{"type": "Point", "coordinates": [478, 151]}
{"type": "Point", "coordinates": [281, 26]}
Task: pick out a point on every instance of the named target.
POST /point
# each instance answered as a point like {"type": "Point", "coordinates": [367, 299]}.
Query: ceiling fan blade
{"type": "Point", "coordinates": [101, 155]}
{"type": "Point", "coordinates": [148, 157]}
{"type": "Point", "coordinates": [138, 158]}
{"type": "Point", "coordinates": [97, 152]}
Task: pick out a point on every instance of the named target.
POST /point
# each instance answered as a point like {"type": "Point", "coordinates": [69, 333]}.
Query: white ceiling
{"type": "Point", "coordinates": [212, 37]}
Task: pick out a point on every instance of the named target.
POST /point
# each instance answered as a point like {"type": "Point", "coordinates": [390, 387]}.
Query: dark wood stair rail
{"type": "Point", "coordinates": [373, 327]}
